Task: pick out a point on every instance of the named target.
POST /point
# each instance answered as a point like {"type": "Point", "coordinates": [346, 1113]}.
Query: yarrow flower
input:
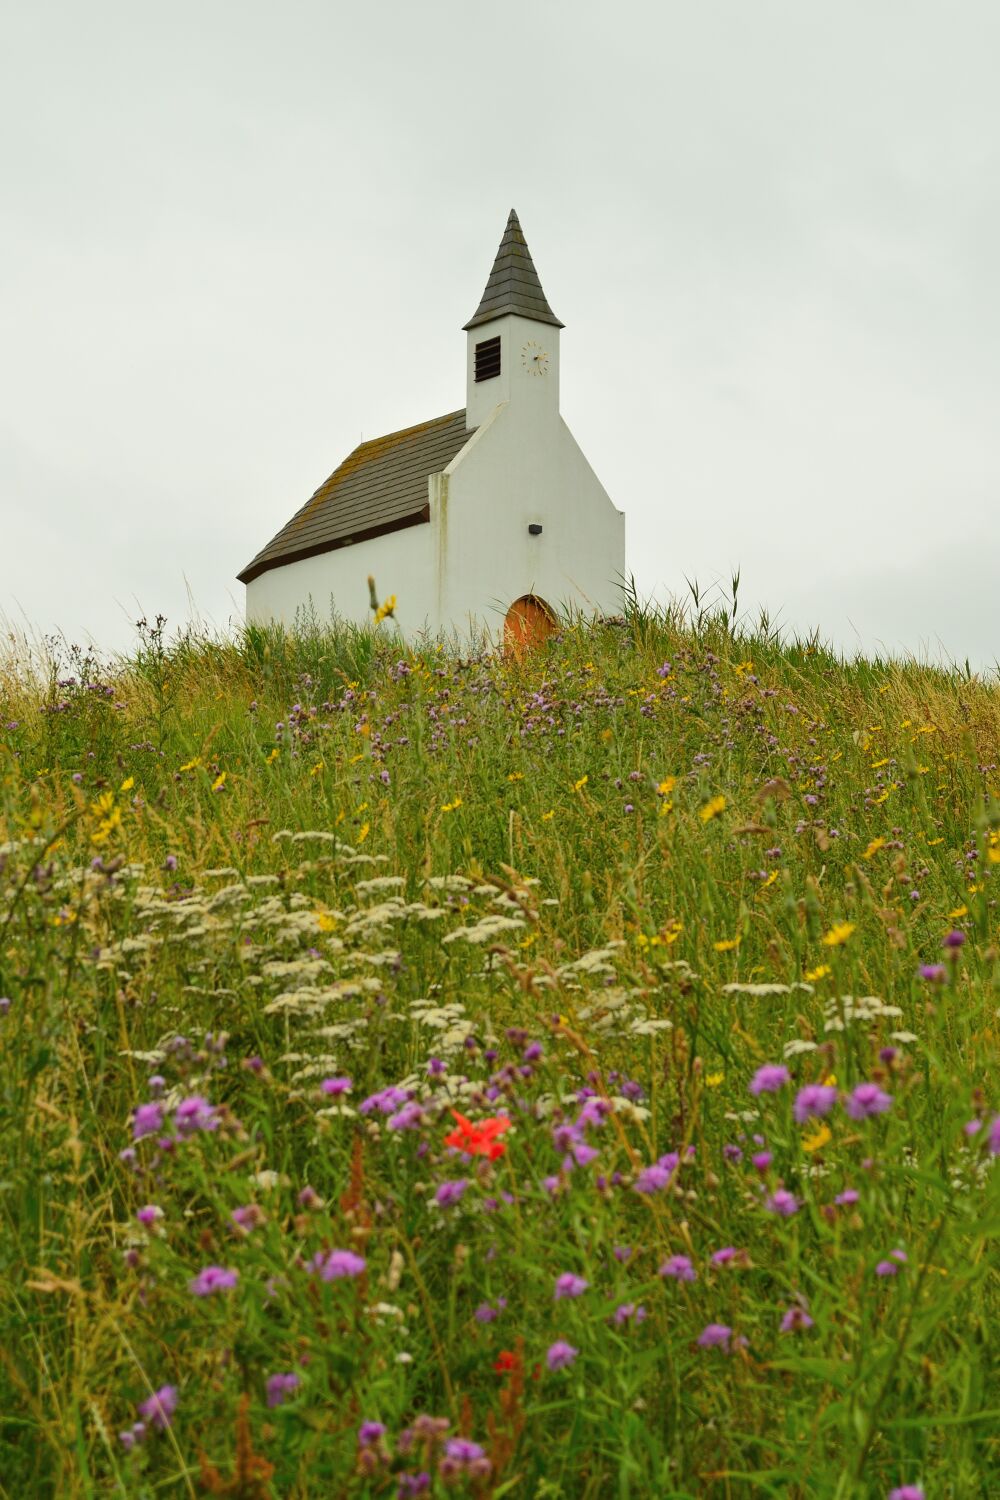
{"type": "Point", "coordinates": [770, 1079]}
{"type": "Point", "coordinates": [867, 1099]}
{"type": "Point", "coordinates": [213, 1279]}
{"type": "Point", "coordinates": [679, 1268]}
{"type": "Point", "coordinates": [813, 1100]}
{"type": "Point", "coordinates": [560, 1355]}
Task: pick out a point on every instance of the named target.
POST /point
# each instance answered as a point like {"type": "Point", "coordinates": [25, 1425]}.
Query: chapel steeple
{"type": "Point", "coordinates": [513, 285]}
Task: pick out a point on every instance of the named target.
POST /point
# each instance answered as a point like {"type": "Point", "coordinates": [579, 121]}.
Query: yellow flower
{"type": "Point", "coordinates": [769, 881]}
{"type": "Point", "coordinates": [219, 782]}
{"type": "Point", "coordinates": [363, 832]}
{"type": "Point", "coordinates": [877, 801]}
{"type": "Point", "coordinates": [451, 806]}
{"type": "Point", "coordinates": [878, 764]}
{"type": "Point", "coordinates": [960, 911]}
{"type": "Point", "coordinates": [830, 1081]}
{"type": "Point", "coordinates": [993, 855]}
{"type": "Point", "coordinates": [931, 843]}
{"type": "Point", "coordinates": [665, 807]}
{"type": "Point", "coordinates": [712, 1080]}
{"type": "Point", "coordinates": [385, 609]}
{"type": "Point", "coordinates": [315, 770]}
{"type": "Point", "coordinates": [667, 785]}
{"type": "Point", "coordinates": [820, 1138]}
{"type": "Point", "coordinates": [191, 764]}
{"type": "Point", "coordinates": [516, 776]}
{"type": "Point", "coordinates": [726, 945]}
{"type": "Point", "coordinates": [578, 786]}
{"type": "Point", "coordinates": [672, 931]}
{"type": "Point", "coordinates": [548, 815]}
{"type": "Point", "coordinates": [838, 934]}
{"type": "Point", "coordinates": [272, 757]}
{"type": "Point", "coordinates": [127, 784]}
{"type": "Point", "coordinates": [820, 972]}
{"type": "Point", "coordinates": [711, 809]}
{"type": "Point", "coordinates": [873, 848]}
{"type": "Point", "coordinates": [325, 921]}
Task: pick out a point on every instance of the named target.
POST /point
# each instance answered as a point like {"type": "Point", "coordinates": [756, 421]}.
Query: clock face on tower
{"type": "Point", "coordinates": [534, 358]}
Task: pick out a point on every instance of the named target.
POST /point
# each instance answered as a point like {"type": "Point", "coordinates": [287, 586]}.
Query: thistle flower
{"type": "Point", "coordinates": [782, 1202]}
{"type": "Point", "coordinates": [450, 1192]}
{"type": "Point", "coordinates": [679, 1268]}
{"type": "Point", "coordinates": [336, 1086]}
{"type": "Point", "coordinates": [770, 1079]}
{"type": "Point", "coordinates": [560, 1355]}
{"type": "Point", "coordinates": [147, 1119]}
{"type": "Point", "coordinates": [158, 1409]}
{"type": "Point", "coordinates": [813, 1100]}
{"type": "Point", "coordinates": [279, 1388]}
{"type": "Point", "coordinates": [715, 1336]}
{"type": "Point", "coordinates": [213, 1279]}
{"type": "Point", "coordinates": [866, 1100]}
{"type": "Point", "coordinates": [341, 1263]}
{"type": "Point", "coordinates": [568, 1285]}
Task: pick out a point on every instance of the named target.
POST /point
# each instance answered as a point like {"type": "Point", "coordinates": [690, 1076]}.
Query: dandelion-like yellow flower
{"type": "Point", "coordinates": [821, 1137]}
{"type": "Point", "coordinates": [219, 782]}
{"type": "Point", "coordinates": [191, 764]}
{"type": "Point", "coordinates": [765, 884]}
{"type": "Point", "coordinates": [874, 847]}
{"type": "Point", "coordinates": [516, 776]}
{"type": "Point", "coordinates": [447, 807]}
{"type": "Point", "coordinates": [712, 1080]}
{"type": "Point", "coordinates": [666, 786]}
{"type": "Point", "coordinates": [838, 934]}
{"type": "Point", "coordinates": [578, 786]}
{"type": "Point", "coordinates": [325, 921]}
{"type": "Point", "coordinates": [270, 759]}
{"type": "Point", "coordinates": [386, 609]}
{"type": "Point", "coordinates": [960, 911]}
{"type": "Point", "coordinates": [726, 945]}
{"type": "Point", "coordinates": [547, 815]}
{"type": "Point", "coordinates": [363, 832]}
{"type": "Point", "coordinates": [712, 809]}
{"type": "Point", "coordinates": [315, 770]}
{"type": "Point", "coordinates": [127, 784]}
{"type": "Point", "coordinates": [820, 972]}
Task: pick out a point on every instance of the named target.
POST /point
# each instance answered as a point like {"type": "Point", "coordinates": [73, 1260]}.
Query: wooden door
{"type": "Point", "coordinates": [528, 624]}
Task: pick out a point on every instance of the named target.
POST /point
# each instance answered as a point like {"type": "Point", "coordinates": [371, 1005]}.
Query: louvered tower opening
{"type": "Point", "coordinates": [487, 359]}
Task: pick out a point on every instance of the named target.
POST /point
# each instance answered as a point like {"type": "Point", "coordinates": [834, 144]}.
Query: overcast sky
{"type": "Point", "coordinates": [234, 238]}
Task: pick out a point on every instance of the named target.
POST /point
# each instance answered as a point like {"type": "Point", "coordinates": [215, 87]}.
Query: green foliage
{"type": "Point", "coordinates": [590, 893]}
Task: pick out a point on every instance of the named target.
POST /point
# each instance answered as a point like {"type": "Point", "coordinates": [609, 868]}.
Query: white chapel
{"type": "Point", "coordinates": [484, 520]}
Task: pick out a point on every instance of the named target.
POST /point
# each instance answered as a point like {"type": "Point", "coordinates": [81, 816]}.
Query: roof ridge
{"type": "Point", "coordinates": [513, 285]}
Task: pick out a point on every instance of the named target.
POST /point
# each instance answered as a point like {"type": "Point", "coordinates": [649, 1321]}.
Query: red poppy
{"type": "Point", "coordinates": [507, 1361]}
{"type": "Point", "coordinates": [481, 1139]}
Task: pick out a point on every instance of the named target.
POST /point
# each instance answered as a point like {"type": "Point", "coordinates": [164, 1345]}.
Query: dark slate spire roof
{"type": "Point", "coordinates": [513, 286]}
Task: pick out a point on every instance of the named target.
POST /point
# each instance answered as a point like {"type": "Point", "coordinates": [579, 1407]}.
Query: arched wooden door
{"type": "Point", "coordinates": [529, 622]}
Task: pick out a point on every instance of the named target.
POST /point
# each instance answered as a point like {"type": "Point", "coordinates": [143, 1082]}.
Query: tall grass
{"type": "Point", "coordinates": [274, 907]}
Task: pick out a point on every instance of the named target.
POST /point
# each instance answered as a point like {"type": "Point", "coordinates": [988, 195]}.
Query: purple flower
{"type": "Point", "coordinates": [848, 1196]}
{"type": "Point", "coordinates": [560, 1354]}
{"type": "Point", "coordinates": [715, 1336]}
{"type": "Point", "coordinates": [484, 1313]}
{"type": "Point", "coordinates": [933, 973]}
{"type": "Point", "coordinates": [341, 1263]}
{"type": "Point", "coordinates": [679, 1268]}
{"type": "Point", "coordinates": [336, 1086]}
{"type": "Point", "coordinates": [627, 1312]}
{"type": "Point", "coordinates": [994, 1137]}
{"type": "Point", "coordinates": [814, 1099]}
{"type": "Point", "coordinates": [385, 1101]}
{"type": "Point", "coordinates": [906, 1492]}
{"type": "Point", "coordinates": [887, 1268]}
{"type": "Point", "coordinates": [411, 1485]}
{"type": "Point", "coordinates": [213, 1279]}
{"type": "Point", "coordinates": [568, 1285]}
{"type": "Point", "coordinates": [464, 1451]}
{"type": "Point", "coordinates": [369, 1433]}
{"type": "Point", "coordinates": [248, 1218]}
{"type": "Point", "coordinates": [782, 1202]}
{"type": "Point", "coordinates": [450, 1192]}
{"type": "Point", "coordinates": [762, 1160]}
{"type": "Point", "coordinates": [194, 1113]}
{"type": "Point", "coordinates": [149, 1214]}
{"type": "Point", "coordinates": [796, 1319]}
{"type": "Point", "coordinates": [770, 1079]}
{"type": "Point", "coordinates": [655, 1178]}
{"type": "Point", "coordinates": [410, 1117]}
{"type": "Point", "coordinates": [955, 939]}
{"type": "Point", "coordinates": [147, 1120]}
{"type": "Point", "coordinates": [731, 1152]}
{"type": "Point", "coordinates": [724, 1256]}
{"type": "Point", "coordinates": [280, 1387]}
{"type": "Point", "coordinates": [867, 1099]}
{"type": "Point", "coordinates": [436, 1068]}
{"type": "Point", "coordinates": [158, 1409]}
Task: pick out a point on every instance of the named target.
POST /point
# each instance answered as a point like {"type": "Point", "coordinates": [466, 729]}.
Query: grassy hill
{"type": "Point", "coordinates": [564, 1077]}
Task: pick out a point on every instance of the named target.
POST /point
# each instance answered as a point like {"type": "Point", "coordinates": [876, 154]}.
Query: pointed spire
{"type": "Point", "coordinates": [513, 286]}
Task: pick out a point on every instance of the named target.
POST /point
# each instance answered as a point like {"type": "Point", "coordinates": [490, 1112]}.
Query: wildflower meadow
{"type": "Point", "coordinates": [571, 1074]}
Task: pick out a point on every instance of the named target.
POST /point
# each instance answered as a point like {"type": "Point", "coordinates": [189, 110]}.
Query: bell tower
{"type": "Point", "coordinates": [513, 337]}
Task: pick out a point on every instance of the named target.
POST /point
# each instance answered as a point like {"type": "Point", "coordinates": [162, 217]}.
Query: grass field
{"type": "Point", "coordinates": [569, 1077]}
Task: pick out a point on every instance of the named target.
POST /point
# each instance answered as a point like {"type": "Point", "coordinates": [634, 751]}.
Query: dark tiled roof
{"type": "Point", "coordinates": [380, 487]}
{"type": "Point", "coordinates": [513, 286]}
